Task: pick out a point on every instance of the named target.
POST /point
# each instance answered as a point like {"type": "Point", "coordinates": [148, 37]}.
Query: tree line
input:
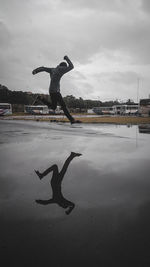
{"type": "Point", "coordinates": [27, 98]}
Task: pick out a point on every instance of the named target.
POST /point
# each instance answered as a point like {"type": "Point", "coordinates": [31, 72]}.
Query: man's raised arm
{"type": "Point", "coordinates": [70, 67]}
{"type": "Point", "coordinates": [40, 69]}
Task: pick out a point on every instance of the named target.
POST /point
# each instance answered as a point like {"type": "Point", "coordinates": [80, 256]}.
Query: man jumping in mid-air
{"type": "Point", "coordinates": [54, 88]}
{"type": "Point", "coordinates": [56, 181]}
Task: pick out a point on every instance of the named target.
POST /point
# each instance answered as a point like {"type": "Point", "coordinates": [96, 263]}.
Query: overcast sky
{"type": "Point", "coordinates": [108, 42]}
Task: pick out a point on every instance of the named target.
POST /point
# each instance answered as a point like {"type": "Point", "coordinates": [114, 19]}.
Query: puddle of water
{"type": "Point", "coordinates": [109, 185]}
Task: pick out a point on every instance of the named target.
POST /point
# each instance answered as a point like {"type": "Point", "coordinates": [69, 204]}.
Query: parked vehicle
{"type": "Point", "coordinates": [118, 110]}
{"type": "Point", "coordinates": [36, 110]}
{"type": "Point", "coordinates": [103, 110]}
{"type": "Point", "coordinates": [5, 109]}
{"type": "Point", "coordinates": [131, 110]}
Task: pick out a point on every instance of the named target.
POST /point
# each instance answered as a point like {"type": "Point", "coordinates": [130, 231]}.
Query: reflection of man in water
{"type": "Point", "coordinates": [54, 88]}
{"type": "Point", "coordinates": [56, 181]}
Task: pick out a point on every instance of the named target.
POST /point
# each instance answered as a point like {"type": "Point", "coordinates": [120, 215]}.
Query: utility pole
{"type": "Point", "coordinates": [138, 86]}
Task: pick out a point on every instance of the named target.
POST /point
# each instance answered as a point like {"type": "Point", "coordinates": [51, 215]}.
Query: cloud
{"type": "Point", "coordinates": [4, 32]}
{"type": "Point", "coordinates": [145, 5]}
{"type": "Point", "coordinates": [125, 77]}
{"type": "Point", "coordinates": [100, 36]}
{"type": "Point", "coordinates": [101, 5]}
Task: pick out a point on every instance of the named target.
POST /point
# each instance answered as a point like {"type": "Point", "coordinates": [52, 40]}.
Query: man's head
{"type": "Point", "coordinates": [63, 64]}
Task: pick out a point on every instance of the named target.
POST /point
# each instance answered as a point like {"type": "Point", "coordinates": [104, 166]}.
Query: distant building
{"type": "Point", "coordinates": [145, 107]}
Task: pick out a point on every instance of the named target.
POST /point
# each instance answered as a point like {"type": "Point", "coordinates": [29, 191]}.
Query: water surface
{"type": "Point", "coordinates": [109, 185]}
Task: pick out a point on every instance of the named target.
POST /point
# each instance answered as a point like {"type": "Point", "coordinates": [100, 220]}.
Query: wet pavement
{"type": "Point", "coordinates": [109, 185]}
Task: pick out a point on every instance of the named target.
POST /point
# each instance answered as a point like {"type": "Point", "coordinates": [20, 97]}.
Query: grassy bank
{"type": "Point", "coordinates": [101, 119]}
{"type": "Point", "coordinates": [117, 120]}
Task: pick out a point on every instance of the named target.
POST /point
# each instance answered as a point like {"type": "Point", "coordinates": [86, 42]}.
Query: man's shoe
{"type": "Point", "coordinates": [76, 121]}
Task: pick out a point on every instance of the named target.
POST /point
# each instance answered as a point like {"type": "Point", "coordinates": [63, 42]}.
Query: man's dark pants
{"type": "Point", "coordinates": [57, 98]}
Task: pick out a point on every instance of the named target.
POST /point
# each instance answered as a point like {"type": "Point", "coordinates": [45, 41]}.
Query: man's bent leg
{"type": "Point", "coordinates": [64, 108]}
{"type": "Point", "coordinates": [44, 202]}
{"type": "Point", "coordinates": [53, 168]}
{"type": "Point", "coordinates": [66, 164]}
